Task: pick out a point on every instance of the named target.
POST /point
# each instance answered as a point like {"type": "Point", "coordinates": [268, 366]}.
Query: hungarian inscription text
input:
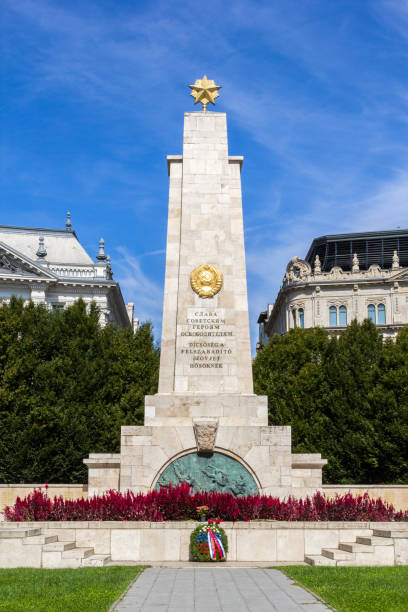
{"type": "Point", "coordinates": [206, 341]}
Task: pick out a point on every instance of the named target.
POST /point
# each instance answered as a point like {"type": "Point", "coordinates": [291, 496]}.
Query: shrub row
{"type": "Point", "coordinates": [179, 503]}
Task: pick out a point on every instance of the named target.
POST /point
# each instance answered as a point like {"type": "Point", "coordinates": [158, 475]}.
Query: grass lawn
{"type": "Point", "coordinates": [88, 589]}
{"type": "Point", "coordinates": [356, 589]}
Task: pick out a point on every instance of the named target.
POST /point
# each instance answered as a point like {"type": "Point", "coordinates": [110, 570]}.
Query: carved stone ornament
{"type": "Point", "coordinates": [205, 433]}
{"type": "Point", "coordinates": [336, 272]}
{"type": "Point", "coordinates": [206, 280]}
{"type": "Point", "coordinates": [12, 265]}
{"type": "Point", "coordinates": [296, 305]}
{"type": "Point", "coordinates": [395, 261]}
{"type": "Point", "coordinates": [339, 303]}
{"type": "Point", "coordinates": [374, 270]}
{"type": "Point", "coordinates": [376, 300]}
{"type": "Point", "coordinates": [297, 269]}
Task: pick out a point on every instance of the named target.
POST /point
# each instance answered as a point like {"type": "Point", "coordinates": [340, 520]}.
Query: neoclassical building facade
{"type": "Point", "coordinates": [50, 266]}
{"type": "Point", "coordinates": [343, 277]}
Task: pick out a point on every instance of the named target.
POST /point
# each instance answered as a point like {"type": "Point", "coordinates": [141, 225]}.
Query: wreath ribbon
{"type": "Point", "coordinates": [215, 544]}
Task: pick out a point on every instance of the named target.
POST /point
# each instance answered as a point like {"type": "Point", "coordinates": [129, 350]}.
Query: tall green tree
{"type": "Point", "coordinates": [345, 397]}
{"type": "Point", "coordinates": [66, 387]}
{"type": "Point", "coordinates": [350, 373]}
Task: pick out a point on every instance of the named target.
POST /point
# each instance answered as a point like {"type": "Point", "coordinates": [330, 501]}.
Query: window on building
{"type": "Point", "coordinates": [294, 318]}
{"type": "Point", "coordinates": [371, 313]}
{"type": "Point", "coordinates": [343, 316]}
{"type": "Point", "coordinates": [381, 314]}
{"type": "Point", "coordinates": [57, 306]}
{"type": "Point", "coordinates": [301, 317]}
{"type": "Point", "coordinates": [332, 316]}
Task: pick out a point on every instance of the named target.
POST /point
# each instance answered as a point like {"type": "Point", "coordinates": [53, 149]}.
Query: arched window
{"type": "Point", "coordinates": [343, 316]}
{"type": "Point", "coordinates": [371, 313]}
{"type": "Point", "coordinates": [301, 317]}
{"type": "Point", "coordinates": [294, 317]}
{"type": "Point", "coordinates": [381, 314]}
{"type": "Point", "coordinates": [333, 316]}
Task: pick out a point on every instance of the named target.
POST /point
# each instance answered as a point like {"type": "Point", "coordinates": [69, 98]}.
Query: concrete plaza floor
{"type": "Point", "coordinates": [216, 589]}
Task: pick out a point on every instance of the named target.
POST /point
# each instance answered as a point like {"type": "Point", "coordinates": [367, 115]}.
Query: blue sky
{"type": "Point", "coordinates": [92, 101]}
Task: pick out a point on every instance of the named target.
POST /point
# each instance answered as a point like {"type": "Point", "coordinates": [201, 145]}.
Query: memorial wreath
{"type": "Point", "coordinates": [209, 542]}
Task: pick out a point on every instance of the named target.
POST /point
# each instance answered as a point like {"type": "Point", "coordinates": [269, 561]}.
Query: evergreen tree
{"type": "Point", "coordinates": [66, 387]}
{"type": "Point", "coordinates": [345, 397]}
{"type": "Point", "coordinates": [289, 371]}
{"type": "Point", "coordinates": [349, 370]}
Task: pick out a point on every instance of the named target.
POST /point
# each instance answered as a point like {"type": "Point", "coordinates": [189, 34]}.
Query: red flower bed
{"type": "Point", "coordinates": [178, 503]}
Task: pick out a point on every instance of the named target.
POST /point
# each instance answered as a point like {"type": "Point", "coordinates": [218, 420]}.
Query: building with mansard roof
{"type": "Point", "coordinates": [343, 277]}
{"type": "Point", "coordinates": [50, 266]}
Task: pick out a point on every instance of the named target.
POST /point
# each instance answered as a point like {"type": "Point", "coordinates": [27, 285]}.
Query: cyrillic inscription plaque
{"type": "Point", "coordinates": [206, 341]}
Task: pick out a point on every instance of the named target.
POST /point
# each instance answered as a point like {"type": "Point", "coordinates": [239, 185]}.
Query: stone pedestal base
{"type": "Point", "coordinates": [230, 409]}
{"type": "Point", "coordinates": [264, 451]}
{"type": "Point", "coordinates": [233, 425]}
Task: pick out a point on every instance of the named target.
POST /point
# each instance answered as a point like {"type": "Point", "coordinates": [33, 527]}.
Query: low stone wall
{"type": "Point", "coordinates": [257, 541]}
{"type": "Point", "coordinates": [397, 495]}
{"type": "Point", "coordinates": [10, 492]}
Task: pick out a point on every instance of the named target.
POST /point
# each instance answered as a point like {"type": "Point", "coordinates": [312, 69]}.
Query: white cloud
{"type": "Point", "coordinates": [146, 293]}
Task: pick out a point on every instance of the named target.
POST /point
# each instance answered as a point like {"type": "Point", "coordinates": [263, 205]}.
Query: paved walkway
{"type": "Point", "coordinates": [208, 589]}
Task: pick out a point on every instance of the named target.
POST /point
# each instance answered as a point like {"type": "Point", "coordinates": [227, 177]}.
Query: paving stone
{"type": "Point", "coordinates": [217, 590]}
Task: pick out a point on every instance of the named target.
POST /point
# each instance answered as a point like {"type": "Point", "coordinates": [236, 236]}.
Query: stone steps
{"type": "Point", "coordinates": [18, 533]}
{"type": "Point", "coordinates": [384, 547]}
{"type": "Point", "coordinates": [374, 541]}
{"type": "Point", "coordinates": [49, 552]}
{"type": "Point", "coordinates": [319, 560]}
{"type": "Point", "coordinates": [66, 555]}
{"type": "Point", "coordinates": [40, 539]}
{"type": "Point", "coordinates": [57, 546]}
{"type": "Point", "coordinates": [390, 533]}
{"type": "Point", "coordinates": [77, 553]}
{"type": "Point", "coordinates": [336, 554]}
{"type": "Point", "coordinates": [355, 547]}
{"type": "Point", "coordinates": [95, 561]}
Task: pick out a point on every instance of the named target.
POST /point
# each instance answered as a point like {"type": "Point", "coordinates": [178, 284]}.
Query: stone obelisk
{"type": "Point", "coordinates": [205, 426]}
{"type": "Point", "coordinates": [205, 351]}
{"type": "Point", "coordinates": [205, 337]}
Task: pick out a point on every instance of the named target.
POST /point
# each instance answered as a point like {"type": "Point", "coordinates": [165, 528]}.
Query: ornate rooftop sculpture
{"type": "Point", "coordinates": [42, 251]}
{"type": "Point", "coordinates": [297, 269]}
{"type": "Point", "coordinates": [356, 263]}
{"type": "Point", "coordinates": [101, 255]}
{"type": "Point", "coordinates": [68, 224]}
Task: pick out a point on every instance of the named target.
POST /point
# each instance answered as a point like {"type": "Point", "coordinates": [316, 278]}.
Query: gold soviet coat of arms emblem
{"type": "Point", "coordinates": [206, 280]}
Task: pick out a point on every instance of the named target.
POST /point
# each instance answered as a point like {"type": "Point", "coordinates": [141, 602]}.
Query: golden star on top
{"type": "Point", "coordinates": [204, 91]}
